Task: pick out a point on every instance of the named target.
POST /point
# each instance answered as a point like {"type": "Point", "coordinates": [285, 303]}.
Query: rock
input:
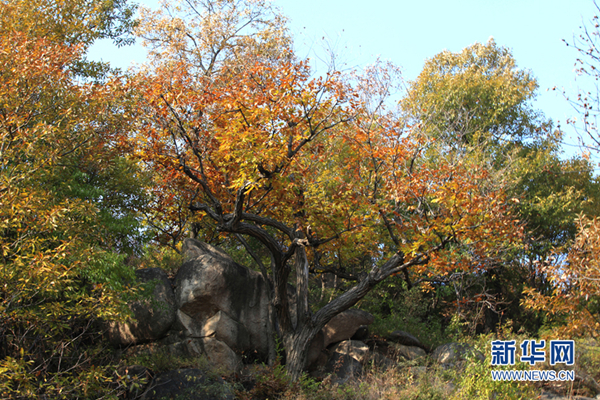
{"type": "Point", "coordinates": [189, 384]}
{"type": "Point", "coordinates": [220, 299]}
{"type": "Point", "coordinates": [405, 338]}
{"type": "Point", "coordinates": [343, 367]}
{"type": "Point", "coordinates": [354, 348]}
{"type": "Point", "coordinates": [152, 317]}
{"type": "Point", "coordinates": [344, 325]}
{"type": "Point", "coordinates": [220, 325]}
{"type": "Point", "coordinates": [361, 334]}
{"type": "Point", "coordinates": [315, 349]}
{"type": "Point", "coordinates": [418, 371]}
{"type": "Point", "coordinates": [380, 362]}
{"type": "Point", "coordinates": [221, 356]}
{"type": "Point", "coordinates": [451, 353]}
{"type": "Point", "coordinates": [408, 352]}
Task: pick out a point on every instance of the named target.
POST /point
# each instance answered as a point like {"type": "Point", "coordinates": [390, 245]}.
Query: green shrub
{"type": "Point", "coordinates": [396, 308]}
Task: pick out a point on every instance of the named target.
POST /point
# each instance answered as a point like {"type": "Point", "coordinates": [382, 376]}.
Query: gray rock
{"type": "Point", "coordinates": [344, 325]}
{"type": "Point", "coordinates": [343, 367]}
{"type": "Point", "coordinates": [354, 348]}
{"type": "Point", "coordinates": [189, 384]}
{"type": "Point", "coordinates": [408, 352]}
{"type": "Point", "coordinates": [404, 338]}
{"type": "Point", "coordinates": [361, 334]}
{"type": "Point", "coordinates": [152, 317]}
{"type": "Point", "coordinates": [218, 298]}
{"type": "Point", "coordinates": [451, 353]}
{"type": "Point", "coordinates": [221, 356]}
{"type": "Point", "coordinates": [380, 362]}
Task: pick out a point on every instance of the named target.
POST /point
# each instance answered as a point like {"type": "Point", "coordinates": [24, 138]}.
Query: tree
{"type": "Point", "coordinates": [316, 170]}
{"type": "Point", "coordinates": [574, 300]}
{"type": "Point", "coordinates": [57, 274]}
{"type": "Point", "coordinates": [587, 101]}
{"type": "Point", "coordinates": [72, 22]}
{"type": "Point", "coordinates": [477, 104]}
{"type": "Point", "coordinates": [478, 91]}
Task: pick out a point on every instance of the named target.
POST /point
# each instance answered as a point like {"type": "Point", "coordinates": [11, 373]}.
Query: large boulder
{"type": "Point", "coordinates": [343, 367]}
{"type": "Point", "coordinates": [152, 317]}
{"type": "Point", "coordinates": [344, 325]}
{"type": "Point", "coordinates": [408, 352]}
{"type": "Point", "coordinates": [223, 359]}
{"type": "Point", "coordinates": [405, 338]}
{"type": "Point", "coordinates": [354, 348]}
{"type": "Point", "coordinates": [220, 299]}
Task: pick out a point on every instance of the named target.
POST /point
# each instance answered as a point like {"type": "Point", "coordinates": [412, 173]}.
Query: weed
{"type": "Point", "coordinates": [161, 360]}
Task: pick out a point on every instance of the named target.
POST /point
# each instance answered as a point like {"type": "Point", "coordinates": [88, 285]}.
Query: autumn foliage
{"type": "Point", "coordinates": [226, 135]}
{"type": "Point", "coordinates": [314, 165]}
{"type": "Point", "coordinates": [58, 275]}
{"type": "Point", "coordinates": [573, 302]}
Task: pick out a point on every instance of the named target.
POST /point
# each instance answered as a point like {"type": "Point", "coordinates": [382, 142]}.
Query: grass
{"type": "Point", "coordinates": [422, 379]}
{"type": "Point", "coordinates": [426, 380]}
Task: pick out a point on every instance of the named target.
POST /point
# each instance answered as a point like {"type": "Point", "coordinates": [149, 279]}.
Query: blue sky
{"type": "Point", "coordinates": [409, 32]}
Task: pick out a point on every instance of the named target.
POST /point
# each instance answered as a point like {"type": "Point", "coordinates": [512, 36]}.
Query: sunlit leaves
{"type": "Point", "coordinates": [477, 91]}
{"type": "Point", "coordinates": [317, 154]}
{"type": "Point", "coordinates": [574, 302]}
{"type": "Point", "coordinates": [52, 271]}
{"type": "Point", "coordinates": [69, 22]}
{"type": "Point", "coordinates": [208, 35]}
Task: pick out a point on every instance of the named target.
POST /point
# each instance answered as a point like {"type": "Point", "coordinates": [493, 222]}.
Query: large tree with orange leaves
{"type": "Point", "coordinates": [315, 169]}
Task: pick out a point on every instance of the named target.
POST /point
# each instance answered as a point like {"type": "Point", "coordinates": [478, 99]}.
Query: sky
{"type": "Point", "coordinates": [409, 32]}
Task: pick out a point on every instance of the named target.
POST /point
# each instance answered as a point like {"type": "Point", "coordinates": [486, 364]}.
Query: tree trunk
{"type": "Point", "coordinates": [297, 345]}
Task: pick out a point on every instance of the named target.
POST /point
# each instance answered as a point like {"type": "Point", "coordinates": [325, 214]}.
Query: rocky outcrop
{"type": "Point", "coordinates": [152, 317]}
{"type": "Point", "coordinates": [221, 356]}
{"type": "Point", "coordinates": [344, 325]}
{"type": "Point", "coordinates": [220, 300]}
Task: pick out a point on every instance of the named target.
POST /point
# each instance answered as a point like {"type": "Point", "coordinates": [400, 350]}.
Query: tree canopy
{"type": "Point", "coordinates": [316, 169]}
